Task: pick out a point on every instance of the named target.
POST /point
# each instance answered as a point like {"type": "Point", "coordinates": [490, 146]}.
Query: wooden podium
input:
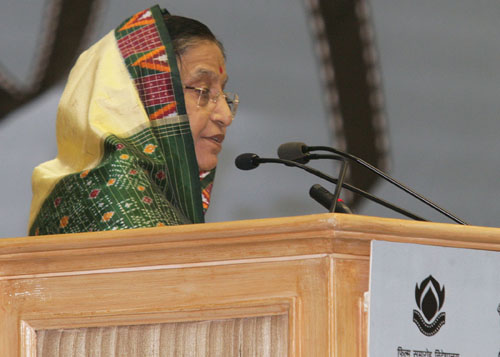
{"type": "Point", "coordinates": [278, 287]}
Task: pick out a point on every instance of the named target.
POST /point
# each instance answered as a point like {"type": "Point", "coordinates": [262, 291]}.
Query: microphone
{"type": "Point", "coordinates": [299, 152]}
{"type": "Point", "coordinates": [326, 199]}
{"type": "Point", "coordinates": [294, 151]}
{"type": "Point", "coordinates": [247, 161]}
{"type": "Point", "coordinates": [250, 161]}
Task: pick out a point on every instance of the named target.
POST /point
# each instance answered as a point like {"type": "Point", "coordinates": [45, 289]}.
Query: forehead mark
{"type": "Point", "coordinates": [220, 69]}
{"type": "Point", "coordinates": [207, 74]}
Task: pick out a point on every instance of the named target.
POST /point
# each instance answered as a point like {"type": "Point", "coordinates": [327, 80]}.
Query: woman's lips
{"type": "Point", "coordinates": [218, 139]}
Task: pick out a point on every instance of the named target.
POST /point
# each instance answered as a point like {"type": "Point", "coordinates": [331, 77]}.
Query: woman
{"type": "Point", "coordinates": [139, 127]}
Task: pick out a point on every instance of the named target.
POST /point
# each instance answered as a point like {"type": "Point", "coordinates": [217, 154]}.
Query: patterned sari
{"type": "Point", "coordinates": [126, 156]}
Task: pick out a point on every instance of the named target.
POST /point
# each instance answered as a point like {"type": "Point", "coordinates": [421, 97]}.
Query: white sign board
{"type": "Point", "coordinates": [433, 301]}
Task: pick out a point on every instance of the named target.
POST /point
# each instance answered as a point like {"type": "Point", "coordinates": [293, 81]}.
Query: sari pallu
{"type": "Point", "coordinates": [126, 156]}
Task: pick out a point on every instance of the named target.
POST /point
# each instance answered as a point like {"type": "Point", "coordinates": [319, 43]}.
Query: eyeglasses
{"type": "Point", "coordinates": [204, 98]}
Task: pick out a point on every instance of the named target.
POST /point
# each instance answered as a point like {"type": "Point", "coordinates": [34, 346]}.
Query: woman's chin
{"type": "Point", "coordinates": [207, 163]}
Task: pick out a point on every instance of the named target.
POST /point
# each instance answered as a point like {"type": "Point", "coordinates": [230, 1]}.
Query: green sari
{"type": "Point", "coordinates": [126, 156]}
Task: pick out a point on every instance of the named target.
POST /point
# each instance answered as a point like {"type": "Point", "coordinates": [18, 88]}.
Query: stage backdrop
{"type": "Point", "coordinates": [440, 81]}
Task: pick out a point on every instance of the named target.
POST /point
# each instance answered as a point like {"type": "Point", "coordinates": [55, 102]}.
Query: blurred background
{"type": "Point", "coordinates": [412, 87]}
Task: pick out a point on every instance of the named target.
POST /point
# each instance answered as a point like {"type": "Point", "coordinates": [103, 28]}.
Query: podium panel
{"type": "Point", "coordinates": [257, 336]}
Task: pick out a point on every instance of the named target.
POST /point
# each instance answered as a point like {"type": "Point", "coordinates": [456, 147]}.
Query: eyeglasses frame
{"type": "Point", "coordinates": [232, 106]}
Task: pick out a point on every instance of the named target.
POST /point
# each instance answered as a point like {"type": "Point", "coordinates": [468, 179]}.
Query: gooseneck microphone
{"type": "Point", "coordinates": [325, 198]}
{"type": "Point", "coordinates": [250, 161]}
{"type": "Point", "coordinates": [247, 161]}
{"type": "Point", "coordinates": [299, 152]}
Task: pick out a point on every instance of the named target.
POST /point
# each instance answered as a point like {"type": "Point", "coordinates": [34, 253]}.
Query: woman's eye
{"type": "Point", "coordinates": [204, 93]}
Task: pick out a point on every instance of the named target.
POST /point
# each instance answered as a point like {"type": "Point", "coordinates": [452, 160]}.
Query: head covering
{"type": "Point", "coordinates": [126, 156]}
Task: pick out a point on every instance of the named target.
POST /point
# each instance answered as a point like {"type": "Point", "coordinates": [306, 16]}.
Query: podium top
{"type": "Point", "coordinates": [286, 237]}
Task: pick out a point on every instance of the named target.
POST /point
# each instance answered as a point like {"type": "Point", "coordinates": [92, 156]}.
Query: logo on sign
{"type": "Point", "coordinates": [430, 299]}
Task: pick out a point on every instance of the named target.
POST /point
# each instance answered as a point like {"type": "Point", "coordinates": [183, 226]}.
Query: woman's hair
{"type": "Point", "coordinates": [185, 32]}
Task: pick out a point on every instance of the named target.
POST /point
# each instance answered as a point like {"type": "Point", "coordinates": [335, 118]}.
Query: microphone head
{"type": "Point", "coordinates": [293, 151]}
{"type": "Point", "coordinates": [247, 161]}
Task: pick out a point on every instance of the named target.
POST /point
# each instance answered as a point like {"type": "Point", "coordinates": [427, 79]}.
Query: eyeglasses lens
{"type": "Point", "coordinates": [232, 99]}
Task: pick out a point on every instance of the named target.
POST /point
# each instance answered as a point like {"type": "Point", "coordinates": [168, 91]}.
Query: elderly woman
{"type": "Point", "coordinates": [139, 127]}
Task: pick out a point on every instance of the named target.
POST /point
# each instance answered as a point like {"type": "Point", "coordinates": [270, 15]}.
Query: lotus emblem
{"type": "Point", "coordinates": [429, 297]}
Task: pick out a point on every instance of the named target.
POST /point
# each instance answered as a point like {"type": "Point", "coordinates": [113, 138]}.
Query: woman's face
{"type": "Point", "coordinates": [202, 66]}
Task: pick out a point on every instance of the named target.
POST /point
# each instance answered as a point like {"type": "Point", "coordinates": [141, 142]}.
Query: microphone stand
{"type": "Point", "coordinates": [340, 181]}
{"type": "Point", "coordinates": [345, 185]}
{"type": "Point", "coordinates": [381, 174]}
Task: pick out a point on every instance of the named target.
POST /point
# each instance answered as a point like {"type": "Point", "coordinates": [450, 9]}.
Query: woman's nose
{"type": "Point", "coordinates": [222, 113]}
